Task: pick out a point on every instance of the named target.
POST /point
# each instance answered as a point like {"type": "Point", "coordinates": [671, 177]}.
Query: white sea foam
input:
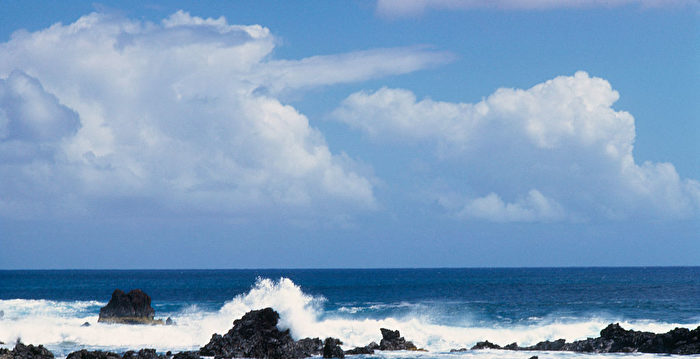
{"type": "Point", "coordinates": [58, 325]}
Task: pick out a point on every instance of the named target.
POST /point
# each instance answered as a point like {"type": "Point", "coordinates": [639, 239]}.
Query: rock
{"type": "Point", "coordinates": [169, 321]}
{"type": "Point", "coordinates": [86, 324]}
{"type": "Point", "coordinates": [187, 355]}
{"type": "Point", "coordinates": [367, 349]}
{"type": "Point", "coordinates": [93, 354]}
{"type": "Point", "coordinates": [458, 350]}
{"type": "Point", "coordinates": [534, 357]}
{"type": "Point", "coordinates": [511, 346]}
{"type": "Point", "coordinates": [332, 349]}
{"type": "Point", "coordinates": [255, 335]}
{"type": "Point", "coordinates": [549, 346]}
{"type": "Point", "coordinates": [615, 339]}
{"type": "Point", "coordinates": [310, 346]}
{"type": "Point", "coordinates": [130, 308]}
{"type": "Point", "coordinates": [392, 340]}
{"type": "Point", "coordinates": [22, 351]}
{"type": "Point", "coordinates": [485, 345]}
{"type": "Point", "coordinates": [2, 314]}
{"type": "Point", "coordinates": [142, 354]}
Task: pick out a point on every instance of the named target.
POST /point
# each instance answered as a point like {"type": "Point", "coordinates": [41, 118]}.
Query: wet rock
{"type": "Point", "coordinates": [615, 339]}
{"type": "Point", "coordinates": [367, 349]}
{"type": "Point", "coordinates": [511, 346]}
{"type": "Point", "coordinates": [332, 349]}
{"type": "Point", "coordinates": [86, 324]}
{"type": "Point", "coordinates": [485, 345]}
{"type": "Point", "coordinates": [392, 340]}
{"type": "Point", "coordinates": [142, 354]}
{"type": "Point", "coordinates": [169, 321]}
{"type": "Point", "coordinates": [458, 350]}
{"type": "Point", "coordinates": [310, 346]}
{"type": "Point", "coordinates": [549, 346]}
{"type": "Point", "coordinates": [255, 335]}
{"type": "Point", "coordinates": [22, 351]}
{"type": "Point", "coordinates": [187, 355]}
{"type": "Point", "coordinates": [128, 308]}
{"type": "Point", "coordinates": [92, 354]}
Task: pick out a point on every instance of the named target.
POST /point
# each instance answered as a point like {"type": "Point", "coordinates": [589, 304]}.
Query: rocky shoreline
{"type": "Point", "coordinates": [255, 335]}
{"type": "Point", "coordinates": [615, 339]}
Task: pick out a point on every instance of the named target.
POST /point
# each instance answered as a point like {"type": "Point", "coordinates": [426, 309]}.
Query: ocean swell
{"type": "Point", "coordinates": [58, 325]}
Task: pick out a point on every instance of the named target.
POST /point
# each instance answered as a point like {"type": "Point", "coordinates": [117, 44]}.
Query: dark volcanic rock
{"type": "Point", "coordinates": [332, 349]}
{"type": "Point", "coordinates": [22, 351]}
{"type": "Point", "coordinates": [615, 339]}
{"type": "Point", "coordinates": [392, 340]}
{"type": "Point", "coordinates": [169, 321]}
{"type": "Point", "coordinates": [255, 335]}
{"type": "Point", "coordinates": [86, 324]}
{"type": "Point", "coordinates": [549, 346]}
{"type": "Point", "coordinates": [128, 308]}
{"type": "Point", "coordinates": [486, 345]}
{"type": "Point", "coordinates": [187, 355]}
{"type": "Point", "coordinates": [367, 349]}
{"type": "Point", "coordinates": [142, 354]}
{"type": "Point", "coordinates": [310, 346]}
{"type": "Point", "coordinates": [93, 354]}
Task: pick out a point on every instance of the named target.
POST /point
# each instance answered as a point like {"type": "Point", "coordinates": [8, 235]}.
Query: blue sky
{"type": "Point", "coordinates": [349, 134]}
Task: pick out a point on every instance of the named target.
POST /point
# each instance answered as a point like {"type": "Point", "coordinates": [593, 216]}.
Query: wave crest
{"type": "Point", "coordinates": [57, 324]}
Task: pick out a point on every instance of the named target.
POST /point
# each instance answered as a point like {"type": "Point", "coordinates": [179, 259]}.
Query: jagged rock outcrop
{"type": "Point", "coordinates": [128, 308]}
{"type": "Point", "coordinates": [255, 335]}
{"type": "Point", "coordinates": [22, 351]}
{"type": "Point", "coordinates": [142, 354]}
{"type": "Point", "coordinates": [392, 340]}
{"type": "Point", "coordinates": [367, 349]}
{"type": "Point", "coordinates": [615, 339]}
{"type": "Point", "coordinates": [187, 355]}
{"type": "Point", "coordinates": [332, 349]}
{"type": "Point", "coordinates": [92, 354]}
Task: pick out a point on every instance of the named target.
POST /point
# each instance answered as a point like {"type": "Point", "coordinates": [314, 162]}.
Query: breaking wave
{"type": "Point", "coordinates": [58, 325]}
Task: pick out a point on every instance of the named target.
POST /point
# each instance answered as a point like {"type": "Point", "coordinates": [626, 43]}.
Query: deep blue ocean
{"type": "Point", "coordinates": [438, 309]}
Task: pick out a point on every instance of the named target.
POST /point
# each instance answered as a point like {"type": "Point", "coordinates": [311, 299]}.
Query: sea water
{"type": "Point", "coordinates": [438, 309]}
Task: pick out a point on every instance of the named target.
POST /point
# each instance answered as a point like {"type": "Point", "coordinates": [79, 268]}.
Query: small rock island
{"type": "Point", "coordinates": [129, 308]}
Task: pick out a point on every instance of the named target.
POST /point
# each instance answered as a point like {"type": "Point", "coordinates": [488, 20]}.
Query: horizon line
{"type": "Point", "coordinates": [349, 268]}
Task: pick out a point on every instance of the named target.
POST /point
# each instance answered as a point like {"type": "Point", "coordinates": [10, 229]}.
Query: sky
{"type": "Point", "coordinates": [349, 134]}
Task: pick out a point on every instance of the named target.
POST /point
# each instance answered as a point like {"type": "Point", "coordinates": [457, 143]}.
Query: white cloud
{"type": "Point", "coordinates": [28, 113]}
{"type": "Point", "coordinates": [415, 7]}
{"type": "Point", "coordinates": [561, 137]}
{"type": "Point", "coordinates": [172, 115]}
{"type": "Point", "coordinates": [533, 207]}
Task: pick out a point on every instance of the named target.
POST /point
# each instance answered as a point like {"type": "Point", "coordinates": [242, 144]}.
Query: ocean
{"type": "Point", "coordinates": [437, 309]}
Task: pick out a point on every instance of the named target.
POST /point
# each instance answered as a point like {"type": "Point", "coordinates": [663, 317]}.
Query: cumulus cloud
{"type": "Point", "coordinates": [29, 113]}
{"type": "Point", "coordinates": [557, 150]}
{"type": "Point", "coordinates": [171, 115]}
{"type": "Point", "coordinates": [533, 207]}
{"type": "Point", "coordinates": [415, 7]}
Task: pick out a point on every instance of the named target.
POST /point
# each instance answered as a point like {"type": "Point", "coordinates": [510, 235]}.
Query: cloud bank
{"type": "Point", "coordinates": [400, 8]}
{"type": "Point", "coordinates": [181, 116]}
{"type": "Point", "coordinates": [553, 152]}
